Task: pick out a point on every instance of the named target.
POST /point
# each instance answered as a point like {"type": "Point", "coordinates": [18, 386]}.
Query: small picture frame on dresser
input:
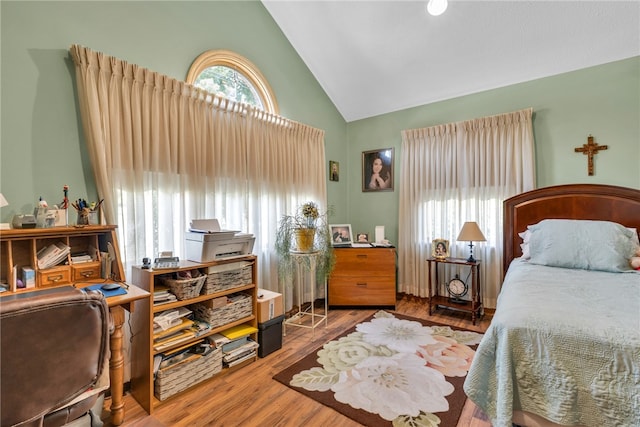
{"type": "Point", "coordinates": [341, 235]}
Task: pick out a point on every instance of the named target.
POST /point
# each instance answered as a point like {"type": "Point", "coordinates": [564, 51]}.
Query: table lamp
{"type": "Point", "coordinates": [471, 233]}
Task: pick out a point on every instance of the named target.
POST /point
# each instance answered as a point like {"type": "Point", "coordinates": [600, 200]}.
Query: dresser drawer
{"type": "Point", "coordinates": [54, 276]}
{"type": "Point", "coordinates": [362, 291]}
{"type": "Point", "coordinates": [364, 261]}
{"type": "Point", "coordinates": [85, 271]}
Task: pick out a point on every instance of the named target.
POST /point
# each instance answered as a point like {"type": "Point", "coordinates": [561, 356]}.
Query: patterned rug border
{"type": "Point", "coordinates": [448, 419]}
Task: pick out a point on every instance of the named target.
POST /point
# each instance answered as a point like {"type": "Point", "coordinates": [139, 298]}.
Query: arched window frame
{"type": "Point", "coordinates": [242, 65]}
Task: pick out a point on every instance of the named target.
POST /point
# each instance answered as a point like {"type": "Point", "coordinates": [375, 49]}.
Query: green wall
{"type": "Point", "coordinates": [603, 101]}
{"type": "Point", "coordinates": [42, 147]}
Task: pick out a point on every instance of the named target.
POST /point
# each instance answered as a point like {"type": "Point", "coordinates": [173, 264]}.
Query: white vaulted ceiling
{"type": "Point", "coordinates": [375, 57]}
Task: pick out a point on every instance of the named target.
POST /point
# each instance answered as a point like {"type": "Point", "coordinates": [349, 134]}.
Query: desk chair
{"type": "Point", "coordinates": [54, 352]}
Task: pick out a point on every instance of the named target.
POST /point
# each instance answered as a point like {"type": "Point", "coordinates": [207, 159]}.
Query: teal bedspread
{"type": "Point", "coordinates": [564, 344]}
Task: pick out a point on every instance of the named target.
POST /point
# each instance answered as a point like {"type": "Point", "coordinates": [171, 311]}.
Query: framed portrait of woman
{"type": "Point", "coordinates": [377, 170]}
{"type": "Point", "coordinates": [440, 248]}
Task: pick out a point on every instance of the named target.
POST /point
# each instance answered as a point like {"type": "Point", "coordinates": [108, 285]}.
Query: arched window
{"type": "Point", "coordinates": [234, 76]}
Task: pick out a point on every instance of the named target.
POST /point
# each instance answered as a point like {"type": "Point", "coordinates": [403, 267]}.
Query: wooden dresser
{"type": "Point", "coordinates": [363, 277]}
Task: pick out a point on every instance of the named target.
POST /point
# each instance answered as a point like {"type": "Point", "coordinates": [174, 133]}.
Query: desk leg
{"type": "Point", "coordinates": [116, 366]}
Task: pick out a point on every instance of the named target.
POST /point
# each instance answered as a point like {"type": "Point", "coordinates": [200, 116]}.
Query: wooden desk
{"type": "Point", "coordinates": [21, 247]}
{"type": "Point", "coordinates": [117, 306]}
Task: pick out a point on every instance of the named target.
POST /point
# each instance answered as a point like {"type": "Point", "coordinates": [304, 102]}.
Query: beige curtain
{"type": "Point", "coordinates": [165, 152]}
{"type": "Point", "coordinates": [455, 173]}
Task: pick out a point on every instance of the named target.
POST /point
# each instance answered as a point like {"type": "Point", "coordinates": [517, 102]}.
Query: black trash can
{"type": "Point", "coordinates": [270, 336]}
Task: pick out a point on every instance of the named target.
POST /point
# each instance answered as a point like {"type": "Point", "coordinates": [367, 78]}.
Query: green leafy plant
{"type": "Point", "coordinates": [307, 217]}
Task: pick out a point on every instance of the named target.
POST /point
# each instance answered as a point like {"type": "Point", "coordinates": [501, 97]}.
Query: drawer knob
{"type": "Point", "coordinates": [361, 284]}
{"type": "Point", "coordinates": [87, 274]}
{"type": "Point", "coordinates": [55, 278]}
{"type": "Point", "coordinates": [364, 256]}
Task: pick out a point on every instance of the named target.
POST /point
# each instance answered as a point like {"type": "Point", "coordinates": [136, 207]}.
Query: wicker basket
{"type": "Point", "coordinates": [228, 276]}
{"type": "Point", "coordinates": [239, 306]}
{"type": "Point", "coordinates": [180, 377]}
{"type": "Point", "coordinates": [185, 288]}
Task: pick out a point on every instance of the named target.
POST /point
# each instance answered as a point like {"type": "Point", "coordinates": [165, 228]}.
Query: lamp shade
{"type": "Point", "coordinates": [3, 201]}
{"type": "Point", "coordinates": [471, 232]}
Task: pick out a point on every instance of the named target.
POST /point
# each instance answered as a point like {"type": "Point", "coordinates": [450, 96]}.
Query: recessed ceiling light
{"type": "Point", "coordinates": [437, 7]}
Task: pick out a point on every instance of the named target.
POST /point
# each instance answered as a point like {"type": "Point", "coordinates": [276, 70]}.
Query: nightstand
{"type": "Point", "coordinates": [474, 306]}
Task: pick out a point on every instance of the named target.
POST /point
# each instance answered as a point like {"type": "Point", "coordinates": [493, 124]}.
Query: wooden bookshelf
{"type": "Point", "coordinates": [142, 366]}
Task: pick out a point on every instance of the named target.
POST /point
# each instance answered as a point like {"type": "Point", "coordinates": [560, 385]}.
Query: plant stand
{"type": "Point", "coordinates": [308, 318]}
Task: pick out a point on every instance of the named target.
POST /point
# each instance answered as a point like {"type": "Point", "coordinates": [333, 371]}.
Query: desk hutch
{"type": "Point", "coordinates": [18, 248]}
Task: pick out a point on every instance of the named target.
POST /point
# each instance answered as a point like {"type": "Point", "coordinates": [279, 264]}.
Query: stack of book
{"type": "Point", "coordinates": [52, 255]}
{"type": "Point", "coordinates": [80, 258]}
{"type": "Point", "coordinates": [171, 328]}
{"type": "Point", "coordinates": [161, 295]}
{"type": "Point", "coordinates": [237, 345]}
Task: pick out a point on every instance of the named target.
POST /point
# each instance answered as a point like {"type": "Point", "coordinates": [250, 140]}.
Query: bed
{"type": "Point", "coordinates": [563, 347]}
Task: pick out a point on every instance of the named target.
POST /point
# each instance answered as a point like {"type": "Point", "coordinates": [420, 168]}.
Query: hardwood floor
{"type": "Point", "coordinates": [249, 396]}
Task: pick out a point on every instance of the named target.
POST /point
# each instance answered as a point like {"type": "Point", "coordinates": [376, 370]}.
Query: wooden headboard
{"type": "Point", "coordinates": [574, 201]}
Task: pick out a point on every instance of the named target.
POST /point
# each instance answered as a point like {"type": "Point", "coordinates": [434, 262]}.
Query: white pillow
{"type": "Point", "coordinates": [581, 244]}
{"type": "Point", "coordinates": [635, 235]}
{"type": "Point", "coordinates": [525, 235]}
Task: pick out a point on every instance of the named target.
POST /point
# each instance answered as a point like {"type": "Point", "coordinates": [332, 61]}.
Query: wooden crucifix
{"type": "Point", "coordinates": [590, 149]}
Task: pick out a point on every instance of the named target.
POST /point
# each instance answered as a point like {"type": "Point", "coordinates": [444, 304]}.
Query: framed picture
{"type": "Point", "coordinates": [334, 171]}
{"type": "Point", "coordinates": [440, 248]}
{"type": "Point", "coordinates": [377, 170]}
{"type": "Point", "coordinates": [341, 234]}
{"type": "Point", "coordinates": [362, 238]}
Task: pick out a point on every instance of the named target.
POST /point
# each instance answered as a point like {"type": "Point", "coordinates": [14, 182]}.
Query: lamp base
{"type": "Point", "coordinates": [471, 258]}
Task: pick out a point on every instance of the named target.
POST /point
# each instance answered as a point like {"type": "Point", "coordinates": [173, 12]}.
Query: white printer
{"type": "Point", "coordinates": [206, 242]}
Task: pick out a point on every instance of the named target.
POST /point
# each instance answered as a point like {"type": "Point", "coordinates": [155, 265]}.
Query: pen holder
{"type": "Point", "coordinates": [88, 218]}
{"type": "Point", "coordinates": [60, 217]}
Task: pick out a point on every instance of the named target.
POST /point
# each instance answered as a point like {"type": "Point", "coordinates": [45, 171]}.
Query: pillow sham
{"type": "Point", "coordinates": [581, 244]}
{"type": "Point", "coordinates": [635, 235]}
{"type": "Point", "coordinates": [525, 236]}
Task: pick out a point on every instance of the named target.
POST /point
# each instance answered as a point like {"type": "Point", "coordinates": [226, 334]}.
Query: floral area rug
{"type": "Point", "coordinates": [390, 370]}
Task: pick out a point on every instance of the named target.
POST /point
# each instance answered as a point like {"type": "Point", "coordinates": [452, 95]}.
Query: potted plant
{"type": "Point", "coordinates": [306, 231]}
